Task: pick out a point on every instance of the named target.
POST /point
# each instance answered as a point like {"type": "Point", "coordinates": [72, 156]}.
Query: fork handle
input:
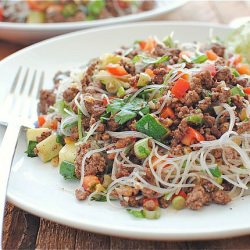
{"type": "Point", "coordinates": [7, 151]}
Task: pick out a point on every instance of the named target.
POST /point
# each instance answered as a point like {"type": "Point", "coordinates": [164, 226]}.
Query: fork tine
{"type": "Point", "coordinates": [24, 81]}
{"type": "Point", "coordinates": [40, 86]}
{"type": "Point", "coordinates": [32, 83]}
{"type": "Point", "coordinates": [14, 83]}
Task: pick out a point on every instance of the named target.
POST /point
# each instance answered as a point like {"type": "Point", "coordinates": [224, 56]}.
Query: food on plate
{"type": "Point", "coordinates": [58, 11]}
{"type": "Point", "coordinates": [152, 125]}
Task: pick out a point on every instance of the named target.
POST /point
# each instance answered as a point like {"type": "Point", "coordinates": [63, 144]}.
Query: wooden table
{"type": "Point", "coordinates": [25, 231]}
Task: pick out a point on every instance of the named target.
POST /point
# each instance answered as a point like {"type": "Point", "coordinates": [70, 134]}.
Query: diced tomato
{"type": "Point", "coordinates": [1, 14]}
{"type": "Point", "coordinates": [116, 69]}
{"type": "Point", "coordinates": [167, 112]}
{"type": "Point", "coordinates": [156, 202]}
{"type": "Point", "coordinates": [211, 55]}
{"type": "Point", "coordinates": [243, 69]}
{"type": "Point", "coordinates": [89, 182]}
{"type": "Point", "coordinates": [192, 135]}
{"type": "Point", "coordinates": [209, 67]}
{"type": "Point", "coordinates": [54, 124]}
{"type": "Point", "coordinates": [123, 4]}
{"type": "Point", "coordinates": [181, 193]}
{"type": "Point", "coordinates": [41, 120]}
{"type": "Point", "coordinates": [236, 59]}
{"type": "Point", "coordinates": [39, 5]}
{"type": "Point", "coordinates": [180, 88]}
{"type": "Point", "coordinates": [150, 72]}
{"type": "Point", "coordinates": [247, 91]}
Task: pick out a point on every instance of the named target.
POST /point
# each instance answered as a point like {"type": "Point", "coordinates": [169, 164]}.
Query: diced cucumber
{"type": "Point", "coordinates": [142, 149]}
{"type": "Point", "coordinates": [237, 90]}
{"type": "Point", "coordinates": [150, 126]}
{"type": "Point", "coordinates": [48, 148]}
{"type": "Point", "coordinates": [156, 214]}
{"type": "Point", "coordinates": [195, 119]}
{"type": "Point", "coordinates": [33, 133]}
{"type": "Point", "coordinates": [144, 80]}
{"type": "Point", "coordinates": [67, 153]}
{"type": "Point", "coordinates": [36, 17]}
{"type": "Point", "coordinates": [67, 170]}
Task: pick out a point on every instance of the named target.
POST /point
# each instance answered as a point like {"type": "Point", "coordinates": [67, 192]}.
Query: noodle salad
{"type": "Point", "coordinates": [156, 124]}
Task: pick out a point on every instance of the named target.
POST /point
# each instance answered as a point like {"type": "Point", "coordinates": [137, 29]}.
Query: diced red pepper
{"type": "Point", "coordinates": [1, 14]}
{"type": "Point", "coordinates": [247, 91]}
{"type": "Point", "coordinates": [180, 88]}
{"type": "Point", "coordinates": [209, 67]}
{"type": "Point", "coordinates": [116, 69]}
{"type": "Point", "coordinates": [167, 112]}
{"type": "Point", "coordinates": [192, 135]}
{"type": "Point", "coordinates": [54, 124]}
{"type": "Point", "coordinates": [41, 120]}
{"type": "Point", "coordinates": [181, 193]}
{"type": "Point", "coordinates": [39, 5]}
{"type": "Point", "coordinates": [89, 182]}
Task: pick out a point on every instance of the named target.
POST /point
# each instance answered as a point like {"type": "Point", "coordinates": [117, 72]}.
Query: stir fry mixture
{"type": "Point", "coordinates": [54, 11]}
{"type": "Point", "coordinates": [153, 125]}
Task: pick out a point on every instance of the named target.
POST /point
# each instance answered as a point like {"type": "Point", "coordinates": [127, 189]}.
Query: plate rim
{"type": "Point", "coordinates": [118, 230]}
{"type": "Point", "coordinates": [89, 24]}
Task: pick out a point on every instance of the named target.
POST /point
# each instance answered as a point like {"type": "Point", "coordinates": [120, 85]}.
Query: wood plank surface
{"type": "Point", "coordinates": [25, 231]}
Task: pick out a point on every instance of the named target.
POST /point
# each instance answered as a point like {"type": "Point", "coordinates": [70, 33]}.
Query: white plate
{"type": "Point", "coordinates": [39, 189]}
{"type": "Point", "coordinates": [30, 33]}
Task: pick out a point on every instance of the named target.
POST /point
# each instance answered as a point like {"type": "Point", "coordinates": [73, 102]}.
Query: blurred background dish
{"type": "Point", "coordinates": [30, 21]}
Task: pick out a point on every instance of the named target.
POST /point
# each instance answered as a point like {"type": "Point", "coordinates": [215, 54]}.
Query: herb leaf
{"type": "Point", "coordinates": [150, 60]}
{"type": "Point", "coordinates": [100, 198]}
{"type": "Point", "coordinates": [136, 213]}
{"type": "Point", "coordinates": [124, 115]}
{"type": "Point", "coordinates": [30, 150]}
{"type": "Point", "coordinates": [215, 172]}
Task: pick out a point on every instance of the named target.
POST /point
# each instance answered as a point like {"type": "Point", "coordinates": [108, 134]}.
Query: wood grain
{"type": "Point", "coordinates": [25, 231]}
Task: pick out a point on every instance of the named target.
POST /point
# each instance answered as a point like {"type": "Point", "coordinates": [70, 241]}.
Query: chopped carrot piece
{"type": "Point", "coordinates": [211, 55]}
{"type": "Point", "coordinates": [90, 182]}
{"type": "Point", "coordinates": [150, 72]}
{"type": "Point", "coordinates": [148, 44]}
{"type": "Point", "coordinates": [54, 124]}
{"type": "Point", "coordinates": [41, 120]}
{"type": "Point", "coordinates": [243, 69]}
{"type": "Point", "coordinates": [167, 112]}
{"type": "Point", "coordinates": [142, 44]}
{"type": "Point", "coordinates": [192, 135]}
{"type": "Point", "coordinates": [116, 69]}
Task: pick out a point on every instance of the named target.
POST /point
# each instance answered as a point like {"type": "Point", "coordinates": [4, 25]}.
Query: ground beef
{"type": "Point", "coordinates": [70, 93]}
{"type": "Point", "coordinates": [163, 202]}
{"type": "Point", "coordinates": [220, 62]}
{"type": "Point", "coordinates": [218, 49]}
{"type": "Point", "coordinates": [88, 74]}
{"type": "Point", "coordinates": [78, 17]}
{"type": "Point", "coordinates": [43, 136]}
{"type": "Point", "coordinates": [148, 193]}
{"type": "Point", "coordinates": [227, 186]}
{"type": "Point", "coordinates": [197, 198]}
{"type": "Point", "coordinates": [147, 5]}
{"type": "Point", "coordinates": [104, 14]}
{"type": "Point", "coordinates": [131, 202]}
{"type": "Point", "coordinates": [178, 134]}
{"type": "Point", "coordinates": [224, 74]}
{"type": "Point", "coordinates": [149, 205]}
{"type": "Point", "coordinates": [238, 101]}
{"type": "Point", "coordinates": [177, 150]}
{"type": "Point", "coordinates": [202, 80]}
{"type": "Point", "coordinates": [216, 132]}
{"type": "Point", "coordinates": [85, 122]}
{"type": "Point", "coordinates": [221, 94]}
{"type": "Point", "coordinates": [231, 154]}
{"type": "Point", "coordinates": [47, 99]}
{"type": "Point", "coordinates": [129, 66]}
{"type": "Point", "coordinates": [244, 127]}
{"type": "Point", "coordinates": [81, 194]}
{"type": "Point", "coordinates": [110, 6]}
{"type": "Point", "coordinates": [123, 171]}
{"type": "Point", "coordinates": [224, 127]}
{"type": "Point", "coordinates": [221, 197]}
{"type": "Point", "coordinates": [191, 98]}
{"type": "Point", "coordinates": [112, 125]}
{"type": "Point", "coordinates": [205, 104]}
{"type": "Point", "coordinates": [94, 165]}
{"type": "Point", "coordinates": [127, 191]}
{"type": "Point", "coordinates": [217, 153]}
{"type": "Point", "coordinates": [208, 186]}
{"type": "Point", "coordinates": [94, 107]}
{"type": "Point", "coordinates": [159, 75]}
{"type": "Point", "coordinates": [182, 111]}
{"type": "Point", "coordinates": [122, 143]}
{"type": "Point", "coordinates": [74, 133]}
{"type": "Point", "coordinates": [209, 121]}
{"type": "Point", "coordinates": [242, 82]}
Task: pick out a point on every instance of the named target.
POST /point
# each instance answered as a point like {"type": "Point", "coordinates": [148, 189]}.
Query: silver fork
{"type": "Point", "coordinates": [19, 111]}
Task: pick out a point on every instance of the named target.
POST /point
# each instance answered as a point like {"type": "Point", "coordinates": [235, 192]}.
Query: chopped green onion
{"type": "Point", "coordinates": [156, 214]}
{"type": "Point", "coordinates": [94, 7]}
{"type": "Point", "coordinates": [179, 202]}
{"type": "Point", "coordinates": [121, 92]}
{"type": "Point", "coordinates": [237, 90]}
{"type": "Point", "coordinates": [234, 72]}
{"type": "Point", "coordinates": [136, 213]}
{"type": "Point", "coordinates": [215, 172]}
{"type": "Point", "coordinates": [144, 79]}
{"type": "Point", "coordinates": [142, 149]}
{"type": "Point", "coordinates": [200, 59]}
{"type": "Point", "coordinates": [79, 124]}
{"type": "Point", "coordinates": [60, 139]}
{"type": "Point", "coordinates": [196, 119]}
{"type": "Point", "coordinates": [69, 10]}
{"type": "Point", "coordinates": [150, 60]}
